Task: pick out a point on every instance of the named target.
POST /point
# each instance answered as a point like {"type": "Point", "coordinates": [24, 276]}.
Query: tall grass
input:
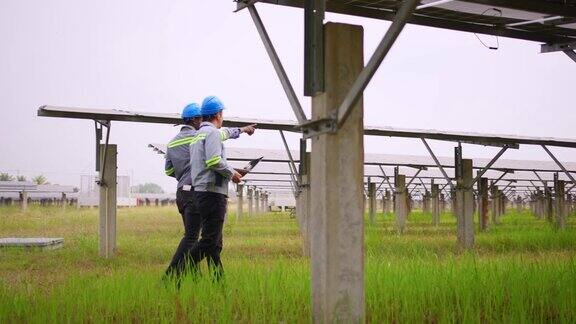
{"type": "Point", "coordinates": [520, 271]}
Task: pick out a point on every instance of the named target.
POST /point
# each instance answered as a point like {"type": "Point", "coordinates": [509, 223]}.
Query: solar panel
{"type": "Point", "coordinates": [465, 137]}
{"type": "Point", "coordinates": [491, 17]}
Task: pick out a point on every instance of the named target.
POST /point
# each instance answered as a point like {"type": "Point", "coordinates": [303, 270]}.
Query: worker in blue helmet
{"type": "Point", "coordinates": [210, 174]}
{"type": "Point", "coordinates": [178, 166]}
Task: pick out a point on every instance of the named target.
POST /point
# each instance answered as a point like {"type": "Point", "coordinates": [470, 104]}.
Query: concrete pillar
{"type": "Point", "coordinates": [372, 202]}
{"type": "Point", "coordinates": [240, 196]}
{"type": "Point", "coordinates": [426, 202]}
{"type": "Point", "coordinates": [303, 202]}
{"type": "Point", "coordinates": [435, 197]}
{"type": "Point", "coordinates": [483, 204]}
{"type": "Point", "coordinates": [24, 200]}
{"type": "Point", "coordinates": [64, 201]}
{"type": "Point", "coordinates": [337, 246]}
{"type": "Point", "coordinates": [465, 207]}
{"type": "Point", "coordinates": [257, 204]}
{"type": "Point", "coordinates": [264, 202]}
{"type": "Point", "coordinates": [250, 194]}
{"type": "Point", "coordinates": [401, 203]}
{"type": "Point", "coordinates": [549, 206]}
{"type": "Point", "coordinates": [495, 204]}
{"type": "Point", "coordinates": [502, 200]}
{"type": "Point", "coordinates": [559, 190]}
{"type": "Point", "coordinates": [453, 202]}
{"type": "Point", "coordinates": [442, 203]}
{"type": "Point", "coordinates": [107, 206]}
{"type": "Point", "coordinates": [388, 202]}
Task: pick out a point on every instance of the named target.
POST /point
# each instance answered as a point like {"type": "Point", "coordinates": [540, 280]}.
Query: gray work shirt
{"type": "Point", "coordinates": [209, 169]}
{"type": "Point", "coordinates": [178, 153]}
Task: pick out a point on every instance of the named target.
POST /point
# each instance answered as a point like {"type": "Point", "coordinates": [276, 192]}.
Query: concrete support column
{"type": "Point", "coordinates": [257, 204]}
{"type": "Point", "coordinates": [389, 204]}
{"type": "Point", "coordinates": [240, 203]}
{"type": "Point", "coordinates": [453, 202]}
{"type": "Point", "coordinates": [483, 204]}
{"type": "Point", "coordinates": [503, 201]}
{"type": "Point", "coordinates": [465, 207]}
{"type": "Point", "coordinates": [559, 190]}
{"type": "Point", "coordinates": [400, 203]}
{"type": "Point", "coordinates": [442, 203]}
{"type": "Point", "coordinates": [24, 200]}
{"type": "Point", "coordinates": [64, 201]}
{"type": "Point", "coordinates": [337, 172]}
{"type": "Point", "coordinates": [264, 201]}
{"type": "Point", "coordinates": [107, 206]}
{"type": "Point", "coordinates": [549, 206]}
{"type": "Point", "coordinates": [434, 195]}
{"type": "Point", "coordinates": [426, 202]}
{"type": "Point", "coordinates": [250, 194]}
{"type": "Point", "coordinates": [303, 201]}
{"type": "Point", "coordinates": [538, 203]}
{"type": "Point", "coordinates": [495, 205]}
{"type": "Point", "coordinates": [372, 202]}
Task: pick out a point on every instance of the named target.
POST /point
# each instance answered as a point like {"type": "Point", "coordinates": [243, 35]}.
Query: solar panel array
{"type": "Point", "coordinates": [548, 21]}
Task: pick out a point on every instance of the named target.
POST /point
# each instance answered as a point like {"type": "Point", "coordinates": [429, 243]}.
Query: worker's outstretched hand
{"type": "Point", "coordinates": [249, 129]}
{"type": "Point", "coordinates": [236, 177]}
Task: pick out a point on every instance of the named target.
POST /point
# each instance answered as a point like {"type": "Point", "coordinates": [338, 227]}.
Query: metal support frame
{"type": "Point", "coordinates": [498, 179]}
{"type": "Point", "coordinates": [549, 48]}
{"type": "Point", "coordinates": [291, 164]}
{"type": "Point", "coordinates": [386, 178]}
{"type": "Point", "coordinates": [546, 189]}
{"type": "Point", "coordinates": [560, 165]}
{"type": "Point", "coordinates": [402, 16]}
{"type": "Point", "coordinates": [414, 177]}
{"type": "Point", "coordinates": [99, 124]}
{"type": "Point", "coordinates": [314, 46]}
{"type": "Point", "coordinates": [489, 165]}
{"type": "Point", "coordinates": [286, 85]}
{"type": "Point", "coordinates": [438, 163]}
{"type": "Point", "coordinates": [571, 54]}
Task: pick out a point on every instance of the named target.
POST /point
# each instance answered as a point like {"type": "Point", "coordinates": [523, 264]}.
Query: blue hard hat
{"type": "Point", "coordinates": [191, 111]}
{"type": "Point", "coordinates": [211, 105]}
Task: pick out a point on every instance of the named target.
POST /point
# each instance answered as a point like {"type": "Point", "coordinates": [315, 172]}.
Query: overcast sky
{"type": "Point", "coordinates": [158, 56]}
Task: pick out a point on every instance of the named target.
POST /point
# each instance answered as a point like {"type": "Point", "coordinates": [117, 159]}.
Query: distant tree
{"type": "Point", "coordinates": [6, 177]}
{"type": "Point", "coordinates": [76, 189]}
{"type": "Point", "coordinates": [147, 188]}
{"type": "Point", "coordinates": [39, 180]}
{"type": "Point", "coordinates": [21, 178]}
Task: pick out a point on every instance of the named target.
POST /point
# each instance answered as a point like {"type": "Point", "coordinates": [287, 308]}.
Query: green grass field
{"type": "Point", "coordinates": [520, 271]}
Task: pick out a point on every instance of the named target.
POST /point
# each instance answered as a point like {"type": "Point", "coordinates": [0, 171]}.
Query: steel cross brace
{"type": "Point", "coordinates": [571, 54]}
{"type": "Point", "coordinates": [414, 177]}
{"type": "Point", "coordinates": [402, 15]}
{"type": "Point", "coordinates": [380, 185]}
{"type": "Point", "coordinates": [292, 165]}
{"type": "Point", "coordinates": [294, 102]}
{"type": "Point", "coordinates": [561, 167]}
{"type": "Point", "coordinates": [108, 125]}
{"type": "Point", "coordinates": [438, 163]}
{"type": "Point", "coordinates": [497, 180]}
{"type": "Point", "coordinates": [386, 178]}
{"type": "Point", "coordinates": [543, 182]}
{"type": "Point", "coordinates": [481, 173]}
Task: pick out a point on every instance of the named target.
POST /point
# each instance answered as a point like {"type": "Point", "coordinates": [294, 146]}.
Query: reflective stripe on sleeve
{"type": "Point", "coordinates": [213, 161]}
{"type": "Point", "coordinates": [169, 171]}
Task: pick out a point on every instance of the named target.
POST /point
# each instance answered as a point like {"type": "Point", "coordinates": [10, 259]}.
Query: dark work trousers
{"type": "Point", "coordinates": [192, 226]}
{"type": "Point", "coordinates": [212, 208]}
